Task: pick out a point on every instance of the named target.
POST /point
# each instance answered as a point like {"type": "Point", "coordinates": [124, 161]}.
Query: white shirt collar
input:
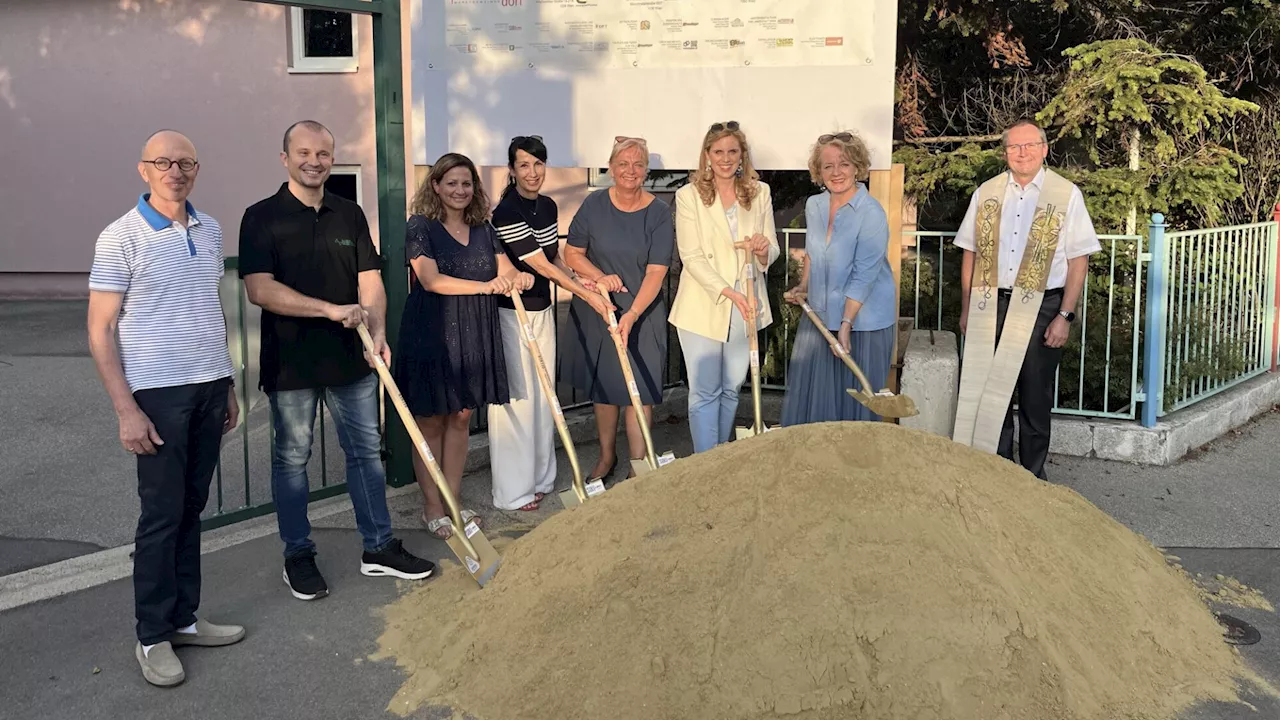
{"type": "Point", "coordinates": [1037, 181]}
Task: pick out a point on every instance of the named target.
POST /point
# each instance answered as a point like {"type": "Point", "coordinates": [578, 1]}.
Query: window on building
{"type": "Point", "coordinates": [344, 181]}
{"type": "Point", "coordinates": [323, 41]}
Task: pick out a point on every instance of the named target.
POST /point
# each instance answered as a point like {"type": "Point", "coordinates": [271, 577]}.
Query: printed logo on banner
{"type": "Point", "coordinates": [835, 41]}
{"type": "Point", "coordinates": [690, 44]}
{"type": "Point", "coordinates": [644, 25]}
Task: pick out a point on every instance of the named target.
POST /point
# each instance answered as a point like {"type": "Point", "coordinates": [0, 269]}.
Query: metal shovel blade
{"type": "Point", "coordinates": [489, 560]}
{"type": "Point", "coordinates": [886, 404]}
{"type": "Point", "coordinates": [742, 432]}
{"type": "Point", "coordinates": [569, 498]}
{"type": "Point", "coordinates": [641, 465]}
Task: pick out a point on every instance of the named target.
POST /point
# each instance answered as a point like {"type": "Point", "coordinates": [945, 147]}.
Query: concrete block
{"type": "Point", "coordinates": [1071, 436]}
{"type": "Point", "coordinates": [931, 376]}
{"type": "Point", "coordinates": [1130, 442]}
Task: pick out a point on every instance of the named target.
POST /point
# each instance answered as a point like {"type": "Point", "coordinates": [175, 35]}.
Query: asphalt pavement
{"type": "Point", "coordinates": [69, 491]}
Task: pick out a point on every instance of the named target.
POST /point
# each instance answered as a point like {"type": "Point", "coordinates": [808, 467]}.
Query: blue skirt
{"type": "Point", "coordinates": [817, 379]}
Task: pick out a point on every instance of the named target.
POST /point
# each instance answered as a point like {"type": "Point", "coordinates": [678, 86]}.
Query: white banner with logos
{"type": "Point", "coordinates": [579, 72]}
{"type": "Point", "coordinates": [655, 33]}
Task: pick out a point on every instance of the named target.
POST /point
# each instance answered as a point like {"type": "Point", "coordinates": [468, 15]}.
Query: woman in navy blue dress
{"type": "Point", "coordinates": [450, 361]}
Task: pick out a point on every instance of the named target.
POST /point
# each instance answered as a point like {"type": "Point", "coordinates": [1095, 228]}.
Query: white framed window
{"type": "Point", "coordinates": [323, 41]}
{"type": "Point", "coordinates": [344, 181]}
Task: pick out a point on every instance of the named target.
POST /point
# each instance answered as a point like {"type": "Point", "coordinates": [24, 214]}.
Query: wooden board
{"type": "Point", "coordinates": [886, 187]}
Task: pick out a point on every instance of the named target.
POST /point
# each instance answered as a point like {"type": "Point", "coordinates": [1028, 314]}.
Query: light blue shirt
{"type": "Point", "coordinates": [854, 265]}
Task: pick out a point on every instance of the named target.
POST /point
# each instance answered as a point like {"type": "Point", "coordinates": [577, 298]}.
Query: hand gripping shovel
{"type": "Point", "coordinates": [651, 461]}
{"type": "Point", "coordinates": [753, 337]}
{"type": "Point", "coordinates": [469, 545]}
{"type": "Point", "coordinates": [883, 403]}
{"type": "Point", "coordinates": [579, 493]}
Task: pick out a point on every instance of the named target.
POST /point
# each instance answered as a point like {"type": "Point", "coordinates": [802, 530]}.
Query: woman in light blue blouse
{"type": "Point", "coordinates": [849, 284]}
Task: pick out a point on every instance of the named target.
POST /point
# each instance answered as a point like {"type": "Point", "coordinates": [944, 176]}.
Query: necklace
{"type": "Point", "coordinates": [461, 235]}
{"type": "Point", "coordinates": [525, 204]}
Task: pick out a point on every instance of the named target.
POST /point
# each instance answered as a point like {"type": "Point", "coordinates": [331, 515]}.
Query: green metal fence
{"type": "Point", "coordinates": [238, 492]}
{"type": "Point", "coordinates": [1218, 309]}
{"type": "Point", "coordinates": [1099, 374]}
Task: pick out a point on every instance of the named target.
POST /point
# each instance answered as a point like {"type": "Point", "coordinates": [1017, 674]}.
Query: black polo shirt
{"type": "Point", "coordinates": [320, 254]}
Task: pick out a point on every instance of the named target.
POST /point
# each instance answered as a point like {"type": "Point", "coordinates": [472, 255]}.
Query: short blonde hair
{"type": "Point", "coordinates": [851, 148]}
{"type": "Point", "coordinates": [621, 143]}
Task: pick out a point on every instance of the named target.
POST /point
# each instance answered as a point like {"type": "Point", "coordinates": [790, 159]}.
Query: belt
{"type": "Point", "coordinates": [1051, 292]}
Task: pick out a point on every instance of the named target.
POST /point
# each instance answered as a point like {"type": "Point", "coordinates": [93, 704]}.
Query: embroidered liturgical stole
{"type": "Point", "coordinates": [989, 371]}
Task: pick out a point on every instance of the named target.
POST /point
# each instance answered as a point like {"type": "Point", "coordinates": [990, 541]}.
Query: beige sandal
{"type": "Point", "coordinates": [441, 527]}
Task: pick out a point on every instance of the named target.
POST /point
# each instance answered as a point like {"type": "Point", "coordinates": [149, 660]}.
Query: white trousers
{"type": "Point", "coordinates": [521, 433]}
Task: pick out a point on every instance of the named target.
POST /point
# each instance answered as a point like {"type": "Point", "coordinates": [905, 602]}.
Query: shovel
{"type": "Point", "coordinates": [470, 545]}
{"type": "Point", "coordinates": [758, 426]}
{"type": "Point", "coordinates": [883, 403]}
{"type": "Point", "coordinates": [651, 461]}
{"type": "Point", "coordinates": [580, 492]}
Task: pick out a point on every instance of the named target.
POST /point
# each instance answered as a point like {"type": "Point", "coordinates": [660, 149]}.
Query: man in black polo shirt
{"type": "Point", "coordinates": [308, 261]}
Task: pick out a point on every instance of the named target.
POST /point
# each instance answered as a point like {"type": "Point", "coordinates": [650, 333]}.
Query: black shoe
{"type": "Point", "coordinates": [303, 577]}
{"type": "Point", "coordinates": [395, 561]}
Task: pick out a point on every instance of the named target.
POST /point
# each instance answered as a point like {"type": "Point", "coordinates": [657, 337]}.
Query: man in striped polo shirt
{"type": "Point", "coordinates": [159, 340]}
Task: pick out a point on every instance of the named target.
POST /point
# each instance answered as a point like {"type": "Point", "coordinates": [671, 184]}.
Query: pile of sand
{"type": "Point", "coordinates": [828, 571]}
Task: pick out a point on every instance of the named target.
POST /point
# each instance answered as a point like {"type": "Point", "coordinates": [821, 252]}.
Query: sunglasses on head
{"type": "Point", "coordinates": [623, 138]}
{"type": "Point", "coordinates": [718, 127]}
{"type": "Point", "coordinates": [522, 138]}
{"type": "Point", "coordinates": [841, 136]}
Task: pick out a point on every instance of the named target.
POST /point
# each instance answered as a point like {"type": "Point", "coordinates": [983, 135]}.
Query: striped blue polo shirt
{"type": "Point", "coordinates": [171, 328]}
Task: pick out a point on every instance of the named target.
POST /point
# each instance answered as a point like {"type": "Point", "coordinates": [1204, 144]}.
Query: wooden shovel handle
{"type": "Point", "coordinates": [835, 345]}
{"type": "Point", "coordinates": [548, 389]}
{"type": "Point", "coordinates": [625, 361]}
{"type": "Point", "coordinates": [419, 442]}
{"type": "Point", "coordinates": [753, 339]}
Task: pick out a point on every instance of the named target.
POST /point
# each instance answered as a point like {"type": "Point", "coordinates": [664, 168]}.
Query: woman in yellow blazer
{"type": "Point", "coordinates": [723, 204]}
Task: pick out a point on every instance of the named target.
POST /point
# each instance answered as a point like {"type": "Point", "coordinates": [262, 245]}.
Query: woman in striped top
{"type": "Point", "coordinates": [521, 432]}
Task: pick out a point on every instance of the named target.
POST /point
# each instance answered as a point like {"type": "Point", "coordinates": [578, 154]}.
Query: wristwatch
{"type": "Point", "coordinates": [1068, 315]}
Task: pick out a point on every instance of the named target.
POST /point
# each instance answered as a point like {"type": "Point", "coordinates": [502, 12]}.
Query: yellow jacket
{"type": "Point", "coordinates": [711, 263]}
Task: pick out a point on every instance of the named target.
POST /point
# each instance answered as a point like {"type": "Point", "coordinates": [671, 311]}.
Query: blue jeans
{"type": "Point", "coordinates": [716, 372]}
{"type": "Point", "coordinates": [354, 409]}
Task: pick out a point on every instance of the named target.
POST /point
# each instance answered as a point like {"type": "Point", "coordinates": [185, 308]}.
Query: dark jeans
{"type": "Point", "coordinates": [355, 413]}
{"type": "Point", "coordinates": [173, 485]}
{"type": "Point", "coordinates": [1035, 389]}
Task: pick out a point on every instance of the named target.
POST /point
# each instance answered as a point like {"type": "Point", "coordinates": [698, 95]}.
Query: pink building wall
{"type": "Point", "coordinates": [83, 82]}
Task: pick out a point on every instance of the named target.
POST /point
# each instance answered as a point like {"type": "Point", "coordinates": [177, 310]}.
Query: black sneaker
{"type": "Point", "coordinates": [304, 578]}
{"type": "Point", "coordinates": [395, 561]}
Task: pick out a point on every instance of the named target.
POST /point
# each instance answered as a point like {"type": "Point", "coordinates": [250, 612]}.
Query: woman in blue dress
{"type": "Point", "coordinates": [450, 361]}
{"type": "Point", "coordinates": [849, 285]}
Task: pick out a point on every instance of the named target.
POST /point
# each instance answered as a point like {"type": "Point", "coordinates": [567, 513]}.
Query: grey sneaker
{"type": "Point", "coordinates": [160, 667]}
{"type": "Point", "coordinates": [208, 635]}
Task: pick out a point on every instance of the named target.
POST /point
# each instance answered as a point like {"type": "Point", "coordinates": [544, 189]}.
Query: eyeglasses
{"type": "Point", "coordinates": [1024, 146]}
{"type": "Point", "coordinates": [163, 164]}
{"type": "Point", "coordinates": [841, 136]}
{"type": "Point", "coordinates": [730, 126]}
{"type": "Point", "coordinates": [522, 138]}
